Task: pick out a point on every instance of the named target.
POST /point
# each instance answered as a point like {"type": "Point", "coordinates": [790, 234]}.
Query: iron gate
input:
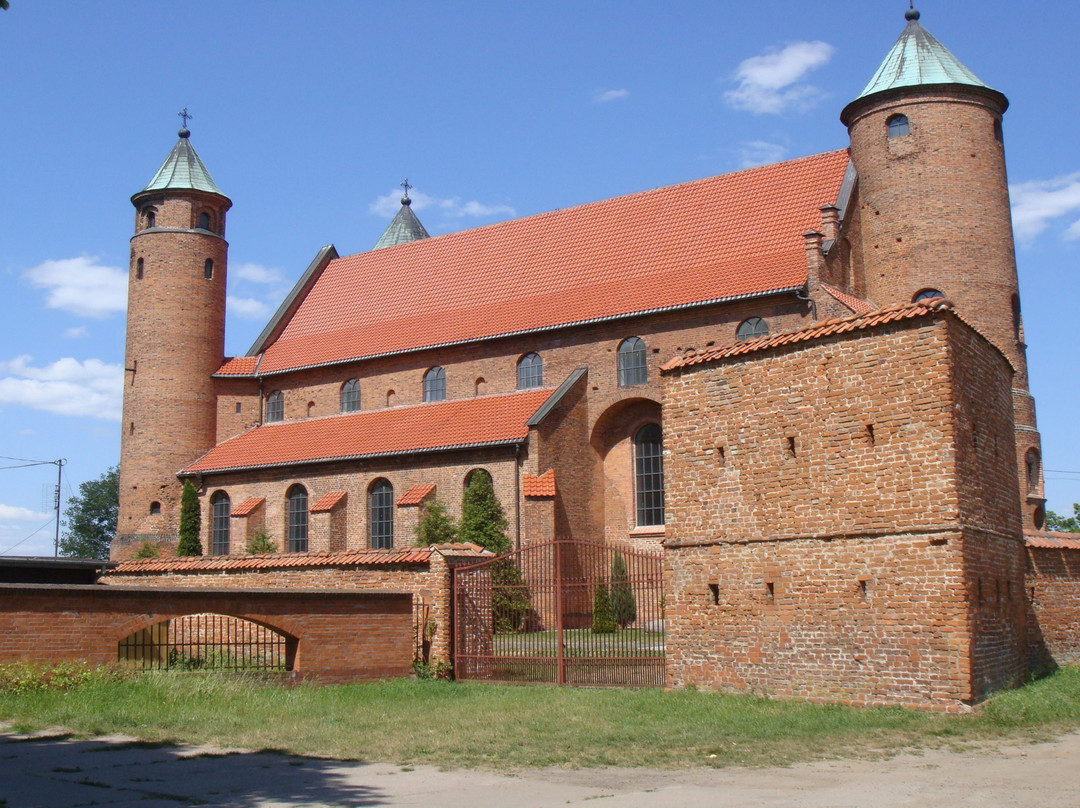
{"type": "Point", "coordinates": [206, 642]}
{"type": "Point", "coordinates": [563, 613]}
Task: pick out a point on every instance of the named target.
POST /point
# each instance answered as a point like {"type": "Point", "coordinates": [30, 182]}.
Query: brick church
{"type": "Point", "coordinates": [806, 382]}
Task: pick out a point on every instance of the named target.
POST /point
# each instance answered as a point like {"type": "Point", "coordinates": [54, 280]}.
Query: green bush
{"type": "Point", "coordinates": [509, 597]}
{"type": "Point", "coordinates": [260, 543]}
{"type": "Point", "coordinates": [482, 519]}
{"type": "Point", "coordinates": [25, 677]}
{"type": "Point", "coordinates": [603, 620]}
{"type": "Point", "coordinates": [436, 526]}
{"type": "Point", "coordinates": [623, 602]}
{"type": "Point", "coordinates": [190, 522]}
{"type": "Point", "coordinates": [147, 549]}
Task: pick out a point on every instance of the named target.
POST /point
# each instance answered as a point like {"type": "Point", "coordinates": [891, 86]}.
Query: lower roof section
{"type": "Point", "coordinates": [441, 426]}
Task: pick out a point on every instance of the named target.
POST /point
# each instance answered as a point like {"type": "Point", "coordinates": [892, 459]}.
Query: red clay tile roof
{"type": "Point", "coordinates": [399, 430]}
{"type": "Point", "coordinates": [719, 238]}
{"type": "Point", "coordinates": [542, 486]}
{"type": "Point", "coordinates": [238, 366]}
{"type": "Point", "coordinates": [856, 304]}
{"type": "Point", "coordinates": [905, 311]}
{"type": "Point", "coordinates": [327, 502]}
{"type": "Point", "coordinates": [359, 558]}
{"type": "Point", "coordinates": [1053, 541]}
{"type": "Point", "coordinates": [416, 494]}
{"type": "Point", "coordinates": [247, 507]}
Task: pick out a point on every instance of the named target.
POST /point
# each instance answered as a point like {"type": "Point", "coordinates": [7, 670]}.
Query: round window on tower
{"type": "Point", "coordinates": [927, 294]}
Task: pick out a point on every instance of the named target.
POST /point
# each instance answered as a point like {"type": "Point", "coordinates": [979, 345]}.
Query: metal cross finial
{"type": "Point", "coordinates": [185, 116]}
{"type": "Point", "coordinates": [406, 186]}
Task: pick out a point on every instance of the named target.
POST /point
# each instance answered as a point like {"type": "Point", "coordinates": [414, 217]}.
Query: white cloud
{"type": "Point", "coordinates": [81, 286]}
{"type": "Point", "coordinates": [13, 513]}
{"type": "Point", "coordinates": [247, 308]}
{"type": "Point", "coordinates": [256, 273]}
{"type": "Point", "coordinates": [66, 387]}
{"type": "Point", "coordinates": [760, 153]}
{"type": "Point", "coordinates": [1037, 202]}
{"type": "Point", "coordinates": [771, 83]}
{"type": "Point", "coordinates": [604, 96]}
{"type": "Point", "coordinates": [77, 333]}
{"type": "Point", "coordinates": [453, 207]}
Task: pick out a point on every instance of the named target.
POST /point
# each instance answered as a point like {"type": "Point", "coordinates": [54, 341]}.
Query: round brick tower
{"type": "Point", "coordinates": [175, 341]}
{"type": "Point", "coordinates": [933, 208]}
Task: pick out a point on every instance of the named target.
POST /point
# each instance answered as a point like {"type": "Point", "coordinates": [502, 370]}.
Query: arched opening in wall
{"type": "Point", "coordinates": [632, 367]}
{"type": "Point", "coordinates": [139, 268]}
{"type": "Point", "coordinates": [155, 508]}
{"type": "Point", "coordinates": [310, 408]}
{"type": "Point", "coordinates": [208, 268]}
{"type": "Point", "coordinates": [1017, 319]}
{"type": "Point", "coordinates": [204, 221]}
{"type": "Point", "coordinates": [480, 386]}
{"type": "Point", "coordinates": [751, 328]}
{"type": "Point", "coordinates": [530, 371]}
{"type": "Point", "coordinates": [149, 217]}
{"type": "Point", "coordinates": [296, 522]}
{"type": "Point", "coordinates": [435, 385]}
{"type": "Point", "coordinates": [208, 642]}
{"type": "Point", "coordinates": [1032, 470]}
{"type": "Point", "coordinates": [624, 439]}
{"type": "Point", "coordinates": [1039, 517]}
{"type": "Point", "coordinates": [275, 407]}
{"type": "Point", "coordinates": [381, 515]}
{"type": "Point", "coordinates": [391, 398]}
{"type": "Point", "coordinates": [220, 512]}
{"type": "Point", "coordinates": [898, 126]}
{"type": "Point", "coordinates": [350, 396]}
{"type": "Point", "coordinates": [926, 294]}
{"type": "Point", "coordinates": [999, 132]}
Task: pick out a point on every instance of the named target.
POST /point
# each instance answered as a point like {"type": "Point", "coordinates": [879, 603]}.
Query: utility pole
{"type": "Point", "coordinates": [59, 478]}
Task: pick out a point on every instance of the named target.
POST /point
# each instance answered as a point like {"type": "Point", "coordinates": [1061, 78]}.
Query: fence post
{"type": "Point", "coordinates": [560, 651]}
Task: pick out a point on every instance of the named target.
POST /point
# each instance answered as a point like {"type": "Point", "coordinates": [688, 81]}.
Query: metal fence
{"type": "Point", "coordinates": [206, 642]}
{"type": "Point", "coordinates": [563, 613]}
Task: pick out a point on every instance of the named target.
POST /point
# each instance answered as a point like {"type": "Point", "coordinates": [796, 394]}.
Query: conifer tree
{"type": "Point", "coordinates": [436, 526]}
{"type": "Point", "coordinates": [603, 621]}
{"type": "Point", "coordinates": [623, 602]}
{"type": "Point", "coordinates": [482, 519]}
{"type": "Point", "coordinates": [190, 522]}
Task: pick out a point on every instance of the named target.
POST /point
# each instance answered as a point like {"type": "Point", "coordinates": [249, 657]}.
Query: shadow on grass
{"type": "Point", "coordinates": [62, 771]}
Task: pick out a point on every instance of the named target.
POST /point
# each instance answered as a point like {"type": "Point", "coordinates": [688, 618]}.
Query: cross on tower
{"type": "Point", "coordinates": [406, 186]}
{"type": "Point", "coordinates": [185, 116]}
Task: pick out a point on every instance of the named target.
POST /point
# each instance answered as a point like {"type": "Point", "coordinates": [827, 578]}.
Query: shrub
{"type": "Point", "coordinates": [190, 522]}
{"type": "Point", "coordinates": [623, 602]}
{"type": "Point", "coordinates": [603, 620]}
{"type": "Point", "coordinates": [509, 597]}
{"type": "Point", "coordinates": [147, 549]}
{"type": "Point", "coordinates": [436, 526]}
{"type": "Point", "coordinates": [260, 543]}
{"type": "Point", "coordinates": [482, 519]}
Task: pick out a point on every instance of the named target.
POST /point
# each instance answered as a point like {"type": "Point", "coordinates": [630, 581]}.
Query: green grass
{"type": "Point", "coordinates": [505, 727]}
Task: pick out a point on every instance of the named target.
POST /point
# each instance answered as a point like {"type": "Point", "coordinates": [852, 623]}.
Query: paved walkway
{"type": "Point", "coordinates": [51, 769]}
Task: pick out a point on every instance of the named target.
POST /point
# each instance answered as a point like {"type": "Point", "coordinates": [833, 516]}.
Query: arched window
{"type": "Point", "coordinates": [220, 509]}
{"type": "Point", "coordinates": [1018, 321]}
{"type": "Point", "coordinates": [649, 475]}
{"type": "Point", "coordinates": [530, 371]}
{"type": "Point", "coordinates": [204, 220]}
{"type": "Point", "coordinates": [898, 125]}
{"type": "Point", "coordinates": [381, 515]}
{"type": "Point", "coordinates": [297, 516]}
{"type": "Point", "coordinates": [927, 294]}
{"type": "Point", "coordinates": [151, 217]}
{"type": "Point", "coordinates": [435, 385]}
{"type": "Point", "coordinates": [1031, 467]}
{"type": "Point", "coordinates": [139, 266]}
{"type": "Point", "coordinates": [751, 328]}
{"type": "Point", "coordinates": [999, 133]}
{"type": "Point", "coordinates": [632, 367]}
{"type": "Point", "coordinates": [275, 407]}
{"type": "Point", "coordinates": [208, 268]}
{"type": "Point", "coordinates": [155, 508]}
{"type": "Point", "coordinates": [350, 396]}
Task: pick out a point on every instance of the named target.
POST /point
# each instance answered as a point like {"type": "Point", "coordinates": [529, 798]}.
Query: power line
{"type": "Point", "coordinates": [21, 541]}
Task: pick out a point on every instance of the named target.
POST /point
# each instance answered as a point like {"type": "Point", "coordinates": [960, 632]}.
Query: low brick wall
{"type": "Point", "coordinates": [339, 635]}
{"type": "Point", "coordinates": [1053, 593]}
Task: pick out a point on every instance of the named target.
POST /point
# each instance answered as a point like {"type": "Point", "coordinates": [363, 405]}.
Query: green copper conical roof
{"type": "Point", "coordinates": [918, 58]}
{"type": "Point", "coordinates": [183, 169]}
{"type": "Point", "coordinates": [404, 228]}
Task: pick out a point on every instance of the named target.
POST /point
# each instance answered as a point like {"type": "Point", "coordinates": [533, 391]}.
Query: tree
{"type": "Point", "coordinates": [90, 517]}
{"type": "Point", "coordinates": [623, 603]}
{"type": "Point", "coordinates": [482, 519]}
{"type": "Point", "coordinates": [1064, 524]}
{"type": "Point", "coordinates": [603, 621]}
{"type": "Point", "coordinates": [436, 526]}
{"type": "Point", "coordinates": [190, 522]}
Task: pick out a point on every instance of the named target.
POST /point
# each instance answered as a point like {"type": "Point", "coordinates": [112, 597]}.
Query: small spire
{"type": "Point", "coordinates": [405, 199]}
{"type": "Point", "coordinates": [185, 116]}
{"type": "Point", "coordinates": [912, 13]}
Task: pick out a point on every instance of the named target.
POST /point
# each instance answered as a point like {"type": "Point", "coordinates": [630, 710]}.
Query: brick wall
{"type": "Point", "coordinates": [820, 542]}
{"type": "Point", "coordinates": [1053, 602]}
{"type": "Point", "coordinates": [337, 636]}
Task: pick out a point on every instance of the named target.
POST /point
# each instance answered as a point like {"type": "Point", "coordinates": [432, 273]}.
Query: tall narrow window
{"type": "Point", "coordinates": [139, 266]}
{"type": "Point", "coordinates": [435, 385]}
{"type": "Point", "coordinates": [1031, 462]}
{"type": "Point", "coordinates": [632, 367]}
{"type": "Point", "coordinates": [151, 217]}
{"type": "Point", "coordinates": [751, 328]}
{"type": "Point", "coordinates": [649, 475]}
{"type": "Point", "coordinates": [220, 508]}
{"type": "Point", "coordinates": [296, 502]}
{"type": "Point", "coordinates": [204, 221]}
{"type": "Point", "coordinates": [898, 125]}
{"type": "Point", "coordinates": [275, 407]}
{"type": "Point", "coordinates": [208, 268]}
{"type": "Point", "coordinates": [381, 515]}
{"type": "Point", "coordinates": [350, 396]}
{"type": "Point", "coordinates": [530, 371]}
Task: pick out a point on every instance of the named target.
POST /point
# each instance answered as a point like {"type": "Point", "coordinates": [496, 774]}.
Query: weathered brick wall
{"type": "Point", "coordinates": [1053, 602]}
{"type": "Point", "coordinates": [339, 636]}
{"type": "Point", "coordinates": [820, 543]}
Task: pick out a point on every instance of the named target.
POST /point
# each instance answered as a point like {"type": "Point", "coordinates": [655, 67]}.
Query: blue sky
{"type": "Point", "coordinates": [308, 115]}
